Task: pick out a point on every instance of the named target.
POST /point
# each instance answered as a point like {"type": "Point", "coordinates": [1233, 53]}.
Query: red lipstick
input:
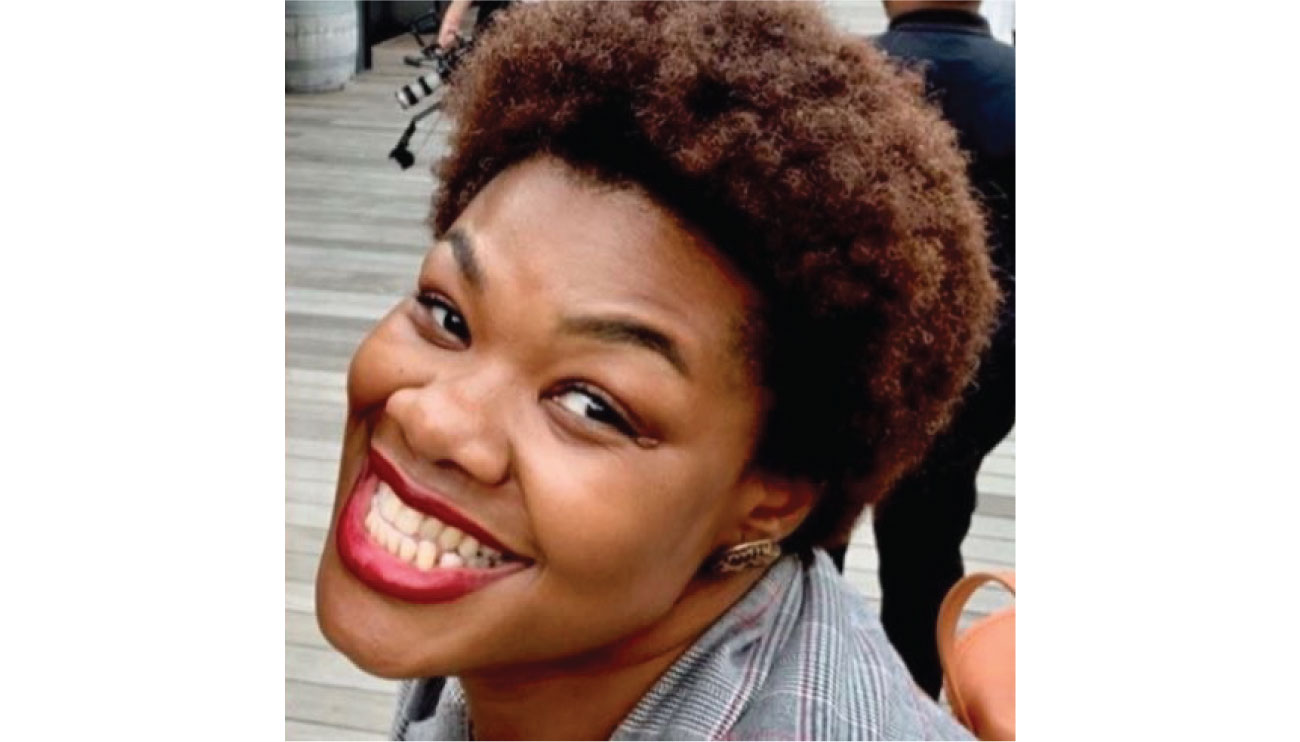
{"type": "Point", "coordinates": [385, 573]}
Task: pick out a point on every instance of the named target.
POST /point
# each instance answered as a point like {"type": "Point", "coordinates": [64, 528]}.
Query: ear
{"type": "Point", "coordinates": [771, 507]}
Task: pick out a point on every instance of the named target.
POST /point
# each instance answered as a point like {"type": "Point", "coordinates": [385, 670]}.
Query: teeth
{"type": "Point", "coordinates": [407, 520]}
{"type": "Point", "coordinates": [426, 555]}
{"type": "Point", "coordinates": [449, 538]}
{"type": "Point", "coordinates": [406, 550]}
{"type": "Point", "coordinates": [468, 547]}
{"type": "Point", "coordinates": [389, 506]}
{"type": "Point", "coordinates": [421, 540]}
{"type": "Point", "coordinates": [430, 529]}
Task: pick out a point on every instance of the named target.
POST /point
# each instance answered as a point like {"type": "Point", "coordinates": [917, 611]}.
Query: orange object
{"type": "Point", "coordinates": [979, 667]}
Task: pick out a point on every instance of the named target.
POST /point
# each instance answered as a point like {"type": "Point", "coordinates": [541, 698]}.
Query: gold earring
{"type": "Point", "coordinates": [749, 555]}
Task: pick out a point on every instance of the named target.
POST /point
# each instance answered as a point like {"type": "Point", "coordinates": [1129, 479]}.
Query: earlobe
{"type": "Point", "coordinates": [771, 508]}
{"type": "Point", "coordinates": [778, 506]}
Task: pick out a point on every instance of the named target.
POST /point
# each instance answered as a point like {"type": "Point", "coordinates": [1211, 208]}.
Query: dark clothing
{"type": "Point", "coordinates": [921, 524]}
{"type": "Point", "coordinates": [487, 11]}
{"type": "Point", "coordinates": [973, 78]}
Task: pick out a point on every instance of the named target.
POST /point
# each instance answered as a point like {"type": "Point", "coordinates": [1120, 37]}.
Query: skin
{"type": "Point", "coordinates": [451, 20]}
{"type": "Point", "coordinates": [895, 8]}
{"type": "Point", "coordinates": [617, 526]}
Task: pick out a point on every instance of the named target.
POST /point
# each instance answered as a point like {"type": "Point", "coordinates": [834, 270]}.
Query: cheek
{"type": "Point", "coordinates": [614, 524]}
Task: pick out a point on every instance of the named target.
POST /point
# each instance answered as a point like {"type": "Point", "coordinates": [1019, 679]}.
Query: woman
{"type": "Point", "coordinates": [706, 279]}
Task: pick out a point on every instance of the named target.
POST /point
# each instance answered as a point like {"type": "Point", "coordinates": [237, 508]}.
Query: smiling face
{"type": "Point", "coordinates": [566, 384]}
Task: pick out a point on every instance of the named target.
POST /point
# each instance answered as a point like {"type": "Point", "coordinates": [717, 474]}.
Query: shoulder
{"type": "Point", "coordinates": [836, 676]}
{"type": "Point", "coordinates": [981, 57]}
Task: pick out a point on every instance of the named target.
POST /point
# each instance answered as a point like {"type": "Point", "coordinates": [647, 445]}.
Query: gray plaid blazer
{"type": "Point", "coordinates": [799, 657]}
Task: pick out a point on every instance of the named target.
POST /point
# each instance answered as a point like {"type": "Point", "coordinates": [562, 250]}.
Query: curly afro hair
{"type": "Point", "coordinates": [810, 161]}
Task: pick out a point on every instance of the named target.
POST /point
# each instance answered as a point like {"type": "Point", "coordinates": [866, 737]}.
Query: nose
{"type": "Point", "coordinates": [455, 420]}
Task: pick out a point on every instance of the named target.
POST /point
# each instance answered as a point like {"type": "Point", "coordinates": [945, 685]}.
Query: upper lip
{"type": "Point", "coordinates": [431, 502]}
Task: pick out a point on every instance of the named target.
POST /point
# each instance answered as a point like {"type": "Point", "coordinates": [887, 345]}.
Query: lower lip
{"type": "Point", "coordinates": [387, 574]}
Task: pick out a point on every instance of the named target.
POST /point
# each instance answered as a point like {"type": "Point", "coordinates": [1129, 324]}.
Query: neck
{"type": "Point", "coordinates": [896, 8]}
{"type": "Point", "coordinates": [537, 701]}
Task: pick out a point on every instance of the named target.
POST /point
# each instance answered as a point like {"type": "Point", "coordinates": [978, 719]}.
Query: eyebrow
{"type": "Point", "coordinates": [605, 329]}
{"type": "Point", "coordinates": [463, 250]}
{"type": "Point", "coordinates": [616, 330]}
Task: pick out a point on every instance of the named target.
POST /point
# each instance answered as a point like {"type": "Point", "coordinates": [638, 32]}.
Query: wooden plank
{"type": "Point", "coordinates": [312, 469]}
{"type": "Point", "coordinates": [321, 464]}
{"type": "Point", "coordinates": [303, 540]}
{"type": "Point", "coordinates": [316, 450]}
{"type": "Point", "coordinates": [293, 375]}
{"type": "Point", "coordinates": [319, 431]}
{"type": "Point", "coordinates": [300, 568]}
{"type": "Point", "coordinates": [995, 504]}
{"type": "Point", "coordinates": [347, 304]}
{"type": "Point", "coordinates": [309, 493]}
{"type": "Point", "coordinates": [332, 346]}
{"type": "Point", "coordinates": [319, 492]}
{"type": "Point", "coordinates": [300, 628]}
{"type": "Point", "coordinates": [997, 551]}
{"type": "Point", "coordinates": [319, 394]}
{"type": "Point", "coordinates": [295, 729]}
{"type": "Point", "coordinates": [300, 596]}
{"type": "Point", "coordinates": [408, 211]}
{"type": "Point", "coordinates": [352, 256]}
{"type": "Point", "coordinates": [410, 236]}
{"type": "Point", "coordinates": [339, 707]}
{"type": "Point", "coordinates": [329, 413]}
{"type": "Point", "coordinates": [340, 279]}
{"type": "Point", "coordinates": [312, 515]}
{"type": "Point", "coordinates": [995, 485]}
{"type": "Point", "coordinates": [993, 527]}
{"type": "Point", "coordinates": [323, 406]}
{"type": "Point", "coordinates": [1001, 465]}
{"type": "Point", "coordinates": [325, 667]}
{"type": "Point", "coordinates": [315, 325]}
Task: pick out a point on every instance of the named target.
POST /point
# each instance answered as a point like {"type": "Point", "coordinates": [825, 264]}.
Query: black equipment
{"type": "Point", "coordinates": [443, 62]}
{"type": "Point", "coordinates": [425, 87]}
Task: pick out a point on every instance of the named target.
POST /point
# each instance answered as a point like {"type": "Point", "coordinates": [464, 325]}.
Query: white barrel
{"type": "Point", "coordinates": [320, 45]}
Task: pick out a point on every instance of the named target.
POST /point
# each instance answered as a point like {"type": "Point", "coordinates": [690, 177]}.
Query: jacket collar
{"type": "Point", "coordinates": [940, 19]}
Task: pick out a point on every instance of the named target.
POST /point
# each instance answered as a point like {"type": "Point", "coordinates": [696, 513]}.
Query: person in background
{"type": "Point", "coordinates": [455, 15]}
{"type": "Point", "coordinates": [921, 524]}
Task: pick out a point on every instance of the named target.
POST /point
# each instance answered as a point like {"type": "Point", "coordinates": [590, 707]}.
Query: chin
{"type": "Point", "coordinates": [362, 632]}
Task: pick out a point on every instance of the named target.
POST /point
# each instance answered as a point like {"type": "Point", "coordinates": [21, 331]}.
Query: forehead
{"type": "Point", "coordinates": [545, 233]}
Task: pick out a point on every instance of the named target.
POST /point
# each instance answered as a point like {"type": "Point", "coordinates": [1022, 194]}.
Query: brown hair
{"type": "Point", "coordinates": [810, 161]}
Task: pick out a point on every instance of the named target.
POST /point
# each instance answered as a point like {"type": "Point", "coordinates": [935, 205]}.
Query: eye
{"type": "Point", "coordinates": [591, 405]}
{"type": "Point", "coordinates": [444, 315]}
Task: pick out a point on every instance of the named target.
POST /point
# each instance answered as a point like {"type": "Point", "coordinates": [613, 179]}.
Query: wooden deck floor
{"type": "Point", "coordinates": [354, 237]}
